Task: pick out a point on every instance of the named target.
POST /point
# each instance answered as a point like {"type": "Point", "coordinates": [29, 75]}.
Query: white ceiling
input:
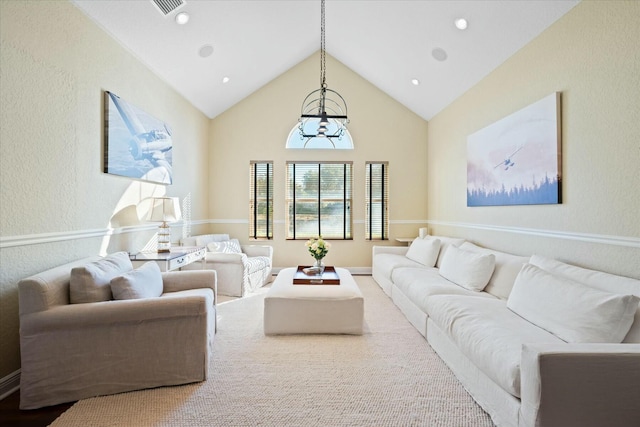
{"type": "Point", "coordinates": [386, 42]}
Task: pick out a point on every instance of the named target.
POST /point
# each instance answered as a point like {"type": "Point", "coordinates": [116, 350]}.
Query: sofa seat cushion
{"type": "Point", "coordinates": [257, 263]}
{"type": "Point", "coordinates": [386, 263]}
{"type": "Point", "coordinates": [419, 284]}
{"type": "Point", "coordinates": [488, 333]}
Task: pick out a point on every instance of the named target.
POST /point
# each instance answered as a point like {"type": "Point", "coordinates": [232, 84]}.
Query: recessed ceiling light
{"type": "Point", "coordinates": [225, 79]}
{"type": "Point", "coordinates": [415, 82]}
{"type": "Point", "coordinates": [461, 23]}
{"type": "Point", "coordinates": [205, 50]}
{"type": "Point", "coordinates": [439, 54]}
{"type": "Point", "coordinates": [182, 18]}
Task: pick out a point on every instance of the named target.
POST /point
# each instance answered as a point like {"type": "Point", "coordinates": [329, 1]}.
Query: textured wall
{"type": "Point", "coordinates": [56, 63]}
{"type": "Point", "coordinates": [591, 55]}
{"type": "Point", "coordinates": [257, 129]}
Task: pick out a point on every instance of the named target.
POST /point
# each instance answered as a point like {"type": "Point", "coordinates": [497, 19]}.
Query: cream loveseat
{"type": "Point", "coordinates": [77, 342]}
{"type": "Point", "coordinates": [241, 269]}
{"type": "Point", "coordinates": [536, 342]}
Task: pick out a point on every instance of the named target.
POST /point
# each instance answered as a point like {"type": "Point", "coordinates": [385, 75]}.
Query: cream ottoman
{"type": "Point", "coordinates": [313, 309]}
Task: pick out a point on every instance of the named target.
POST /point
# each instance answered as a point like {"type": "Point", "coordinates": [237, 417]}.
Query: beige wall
{"type": "Point", "coordinates": [591, 55]}
{"type": "Point", "coordinates": [257, 129]}
{"type": "Point", "coordinates": [55, 65]}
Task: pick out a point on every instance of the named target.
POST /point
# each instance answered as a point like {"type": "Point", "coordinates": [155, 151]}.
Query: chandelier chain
{"type": "Point", "coordinates": [323, 61]}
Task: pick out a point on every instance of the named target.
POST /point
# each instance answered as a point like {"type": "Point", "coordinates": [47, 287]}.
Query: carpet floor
{"type": "Point", "coordinates": [389, 376]}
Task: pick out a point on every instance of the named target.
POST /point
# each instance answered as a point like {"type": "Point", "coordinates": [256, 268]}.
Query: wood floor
{"type": "Point", "coordinates": [12, 416]}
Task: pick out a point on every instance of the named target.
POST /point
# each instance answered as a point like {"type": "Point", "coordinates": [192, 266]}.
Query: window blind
{"type": "Point", "coordinates": [261, 200]}
{"type": "Point", "coordinates": [377, 200]}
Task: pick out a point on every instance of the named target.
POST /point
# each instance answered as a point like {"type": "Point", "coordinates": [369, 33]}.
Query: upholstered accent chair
{"type": "Point", "coordinates": [97, 326]}
{"type": "Point", "coordinates": [241, 269]}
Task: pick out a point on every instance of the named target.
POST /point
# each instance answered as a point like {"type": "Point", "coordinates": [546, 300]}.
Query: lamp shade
{"type": "Point", "coordinates": [164, 209]}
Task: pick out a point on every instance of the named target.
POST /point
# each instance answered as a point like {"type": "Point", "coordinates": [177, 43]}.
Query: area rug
{"type": "Point", "coordinates": [389, 376]}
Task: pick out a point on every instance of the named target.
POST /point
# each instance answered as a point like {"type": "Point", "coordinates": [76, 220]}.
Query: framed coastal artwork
{"type": "Point", "coordinates": [517, 160]}
{"type": "Point", "coordinates": [137, 145]}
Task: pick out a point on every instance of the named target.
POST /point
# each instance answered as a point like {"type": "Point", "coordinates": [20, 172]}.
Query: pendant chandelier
{"type": "Point", "coordinates": [324, 111]}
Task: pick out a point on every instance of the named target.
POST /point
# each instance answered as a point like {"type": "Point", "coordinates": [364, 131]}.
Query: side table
{"type": "Point", "coordinates": [175, 259]}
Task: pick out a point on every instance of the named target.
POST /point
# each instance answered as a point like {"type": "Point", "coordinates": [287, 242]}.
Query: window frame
{"type": "Point", "coordinates": [346, 200]}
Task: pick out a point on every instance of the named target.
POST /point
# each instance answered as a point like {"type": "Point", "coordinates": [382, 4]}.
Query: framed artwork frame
{"type": "Point", "coordinates": [518, 159]}
{"type": "Point", "coordinates": [136, 144]}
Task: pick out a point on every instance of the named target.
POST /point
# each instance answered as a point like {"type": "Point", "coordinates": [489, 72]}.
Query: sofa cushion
{"type": "Point", "coordinates": [419, 284]}
{"type": "Point", "coordinates": [504, 275]}
{"type": "Point", "coordinates": [471, 270]}
{"type": "Point", "coordinates": [386, 263]}
{"type": "Point", "coordinates": [487, 333]}
{"type": "Point", "coordinates": [226, 247]}
{"type": "Point", "coordinates": [91, 282]}
{"type": "Point", "coordinates": [425, 251]}
{"type": "Point", "coordinates": [445, 243]}
{"type": "Point", "coordinates": [570, 310]}
{"type": "Point", "coordinates": [599, 280]}
{"type": "Point", "coordinates": [143, 282]}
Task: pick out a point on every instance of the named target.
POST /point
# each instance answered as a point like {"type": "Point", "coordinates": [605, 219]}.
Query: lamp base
{"type": "Point", "coordinates": [164, 238]}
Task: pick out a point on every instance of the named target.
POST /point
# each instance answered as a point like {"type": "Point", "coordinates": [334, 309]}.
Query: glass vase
{"type": "Point", "coordinates": [319, 265]}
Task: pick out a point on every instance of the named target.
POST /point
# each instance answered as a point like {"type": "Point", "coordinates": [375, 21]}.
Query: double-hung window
{"type": "Point", "coordinates": [319, 199]}
{"type": "Point", "coordinates": [377, 200]}
{"type": "Point", "coordinates": [261, 200]}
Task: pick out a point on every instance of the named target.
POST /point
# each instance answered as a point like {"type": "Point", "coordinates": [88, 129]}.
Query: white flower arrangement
{"type": "Point", "coordinates": [318, 247]}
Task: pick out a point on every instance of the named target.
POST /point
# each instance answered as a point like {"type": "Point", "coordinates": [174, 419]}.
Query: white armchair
{"type": "Point", "coordinates": [240, 269]}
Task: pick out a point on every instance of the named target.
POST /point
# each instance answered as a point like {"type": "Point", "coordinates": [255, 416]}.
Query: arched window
{"type": "Point", "coordinates": [297, 141]}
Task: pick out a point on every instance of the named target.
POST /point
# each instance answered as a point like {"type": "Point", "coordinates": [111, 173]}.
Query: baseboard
{"type": "Point", "coordinates": [9, 384]}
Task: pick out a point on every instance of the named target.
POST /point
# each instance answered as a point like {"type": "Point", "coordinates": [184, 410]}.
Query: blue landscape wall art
{"type": "Point", "coordinates": [517, 160]}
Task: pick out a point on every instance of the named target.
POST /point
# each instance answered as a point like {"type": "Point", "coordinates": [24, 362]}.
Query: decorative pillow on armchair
{"type": "Point", "coordinates": [227, 247]}
{"type": "Point", "coordinates": [143, 282]}
{"type": "Point", "coordinates": [90, 283]}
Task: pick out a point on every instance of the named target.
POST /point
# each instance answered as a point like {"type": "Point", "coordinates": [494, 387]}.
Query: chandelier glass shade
{"type": "Point", "coordinates": [324, 111]}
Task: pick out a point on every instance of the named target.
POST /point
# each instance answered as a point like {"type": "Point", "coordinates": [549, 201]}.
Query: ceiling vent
{"type": "Point", "coordinates": [168, 6]}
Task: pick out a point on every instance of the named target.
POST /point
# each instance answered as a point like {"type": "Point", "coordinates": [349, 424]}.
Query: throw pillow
{"type": "Point", "coordinates": [425, 251]}
{"type": "Point", "coordinates": [570, 310]}
{"type": "Point", "coordinates": [596, 279]}
{"type": "Point", "coordinates": [227, 247]}
{"type": "Point", "coordinates": [90, 283]}
{"type": "Point", "coordinates": [445, 242]}
{"type": "Point", "coordinates": [143, 282]}
{"type": "Point", "coordinates": [468, 269]}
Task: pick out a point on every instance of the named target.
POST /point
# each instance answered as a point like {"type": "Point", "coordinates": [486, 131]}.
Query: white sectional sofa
{"type": "Point", "coordinates": [535, 341]}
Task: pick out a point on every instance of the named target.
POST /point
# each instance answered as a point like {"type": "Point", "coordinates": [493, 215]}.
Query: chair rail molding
{"type": "Point", "coordinates": [632, 242]}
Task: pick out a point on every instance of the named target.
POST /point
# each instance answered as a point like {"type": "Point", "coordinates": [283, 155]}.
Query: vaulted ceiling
{"type": "Point", "coordinates": [389, 43]}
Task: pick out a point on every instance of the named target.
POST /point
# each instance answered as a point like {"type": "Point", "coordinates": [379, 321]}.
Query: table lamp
{"type": "Point", "coordinates": [164, 209]}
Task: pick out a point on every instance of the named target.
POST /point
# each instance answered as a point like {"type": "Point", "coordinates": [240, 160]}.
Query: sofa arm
{"type": "Point", "coordinates": [258, 250]}
{"type": "Point", "coordinates": [218, 257]}
{"type": "Point", "coordinates": [398, 250]}
{"type": "Point", "coordinates": [175, 281]}
{"type": "Point", "coordinates": [580, 385]}
{"type": "Point", "coordinates": [100, 315]}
